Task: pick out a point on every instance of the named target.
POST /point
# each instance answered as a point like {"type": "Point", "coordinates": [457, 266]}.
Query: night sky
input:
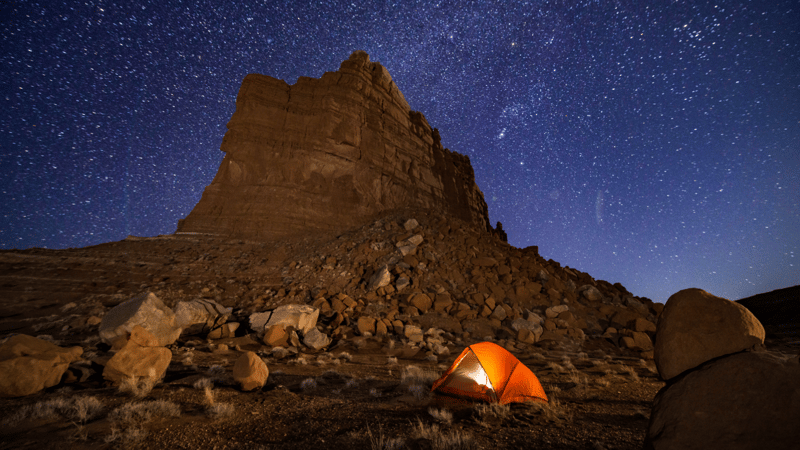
{"type": "Point", "coordinates": [656, 146]}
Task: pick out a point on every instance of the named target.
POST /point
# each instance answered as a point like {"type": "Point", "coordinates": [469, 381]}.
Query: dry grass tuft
{"type": "Point", "coordinates": [630, 371]}
{"type": "Point", "coordinates": [139, 387]}
{"type": "Point", "coordinates": [438, 439]}
{"type": "Point", "coordinates": [552, 411]}
{"type": "Point", "coordinates": [442, 415]}
{"type": "Point", "coordinates": [417, 375]}
{"type": "Point", "coordinates": [381, 442]}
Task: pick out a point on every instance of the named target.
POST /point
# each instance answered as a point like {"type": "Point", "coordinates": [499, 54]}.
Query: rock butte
{"type": "Point", "coordinates": [329, 154]}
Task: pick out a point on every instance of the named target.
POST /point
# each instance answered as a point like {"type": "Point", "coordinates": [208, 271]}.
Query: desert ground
{"type": "Point", "coordinates": [369, 392]}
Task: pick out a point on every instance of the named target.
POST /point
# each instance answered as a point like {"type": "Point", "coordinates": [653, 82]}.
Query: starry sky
{"type": "Point", "coordinates": [655, 144]}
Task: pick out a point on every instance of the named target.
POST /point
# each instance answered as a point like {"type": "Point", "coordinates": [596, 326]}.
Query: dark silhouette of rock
{"type": "Point", "coordinates": [777, 310]}
{"type": "Point", "coordinates": [327, 155]}
{"type": "Point", "coordinates": [750, 400]}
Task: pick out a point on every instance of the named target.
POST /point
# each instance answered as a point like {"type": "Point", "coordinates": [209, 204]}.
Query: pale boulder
{"type": "Point", "coordinates": [250, 371]}
{"type": "Point", "coordinates": [302, 317]}
{"type": "Point", "coordinates": [29, 364]}
{"type": "Point", "coordinates": [141, 357]}
{"type": "Point", "coordinates": [696, 326]}
{"type": "Point", "coordinates": [147, 311]}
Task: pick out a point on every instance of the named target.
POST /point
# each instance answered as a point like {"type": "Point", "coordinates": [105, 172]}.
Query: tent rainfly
{"type": "Point", "coordinates": [488, 372]}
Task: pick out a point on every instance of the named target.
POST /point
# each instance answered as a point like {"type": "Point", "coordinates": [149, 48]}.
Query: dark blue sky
{"type": "Point", "coordinates": [656, 144]}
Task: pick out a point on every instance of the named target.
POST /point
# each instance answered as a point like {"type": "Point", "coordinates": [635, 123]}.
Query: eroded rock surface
{"type": "Point", "coordinates": [327, 155]}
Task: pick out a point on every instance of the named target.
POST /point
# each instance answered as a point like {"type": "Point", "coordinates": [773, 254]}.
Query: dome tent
{"type": "Point", "coordinates": [485, 371]}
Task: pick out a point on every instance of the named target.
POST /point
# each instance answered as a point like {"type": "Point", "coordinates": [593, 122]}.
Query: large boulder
{"type": "Point", "coordinates": [147, 311]}
{"type": "Point", "coordinates": [142, 357]}
{"type": "Point", "coordinates": [29, 364]}
{"type": "Point", "coordinates": [750, 400]}
{"type": "Point", "coordinates": [250, 371]}
{"type": "Point", "coordinates": [200, 316]}
{"type": "Point", "coordinates": [696, 326]}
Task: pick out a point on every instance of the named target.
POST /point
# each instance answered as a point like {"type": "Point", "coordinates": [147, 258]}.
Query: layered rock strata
{"type": "Point", "coordinates": [327, 155]}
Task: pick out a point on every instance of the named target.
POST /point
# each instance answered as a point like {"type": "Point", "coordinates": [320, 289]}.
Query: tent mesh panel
{"type": "Point", "coordinates": [469, 377]}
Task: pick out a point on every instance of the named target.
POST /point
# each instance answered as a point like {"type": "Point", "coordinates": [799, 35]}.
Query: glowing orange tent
{"type": "Point", "coordinates": [486, 371]}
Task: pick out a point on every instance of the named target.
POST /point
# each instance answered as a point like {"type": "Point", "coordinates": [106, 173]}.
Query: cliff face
{"type": "Point", "coordinates": [328, 154]}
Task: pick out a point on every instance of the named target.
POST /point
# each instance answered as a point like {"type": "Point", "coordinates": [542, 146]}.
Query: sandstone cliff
{"type": "Point", "coordinates": [327, 155]}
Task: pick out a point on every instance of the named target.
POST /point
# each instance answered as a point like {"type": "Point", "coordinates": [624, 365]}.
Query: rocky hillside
{"type": "Point", "coordinates": [403, 272]}
{"type": "Point", "coordinates": [329, 154]}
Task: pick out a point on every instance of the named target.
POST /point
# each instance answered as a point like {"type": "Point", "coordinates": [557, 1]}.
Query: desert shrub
{"type": "Point", "coordinates": [374, 392]}
{"type": "Point", "coordinates": [75, 409]}
{"type": "Point", "coordinates": [221, 410]}
{"type": "Point", "coordinates": [555, 367]}
{"type": "Point", "coordinates": [579, 379]}
{"type": "Point", "coordinates": [144, 411]}
{"type": "Point", "coordinates": [128, 420]}
{"type": "Point", "coordinates": [345, 356]}
{"type": "Point", "coordinates": [218, 374]}
{"type": "Point", "coordinates": [308, 384]}
{"type": "Point", "coordinates": [416, 375]}
{"type": "Point", "coordinates": [213, 408]}
{"type": "Point", "coordinates": [603, 382]}
{"type": "Point", "coordinates": [391, 360]}
{"type": "Point", "coordinates": [126, 436]}
{"type": "Point", "coordinates": [138, 387]}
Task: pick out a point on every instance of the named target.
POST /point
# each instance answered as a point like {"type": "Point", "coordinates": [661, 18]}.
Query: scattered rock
{"type": "Point", "coordinates": [200, 316]}
{"type": "Point", "coordinates": [301, 317]}
{"type": "Point", "coordinates": [696, 326]}
{"type": "Point", "coordinates": [146, 311]}
{"type": "Point", "coordinates": [421, 301]}
{"type": "Point", "coordinates": [276, 336]}
{"type": "Point", "coordinates": [250, 371]}
{"type": "Point", "coordinates": [226, 330]}
{"type": "Point", "coordinates": [29, 364]}
{"type": "Point", "coordinates": [381, 278]}
{"type": "Point", "coordinates": [590, 293]}
{"type": "Point", "coordinates": [316, 340]}
{"type": "Point", "coordinates": [553, 311]}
